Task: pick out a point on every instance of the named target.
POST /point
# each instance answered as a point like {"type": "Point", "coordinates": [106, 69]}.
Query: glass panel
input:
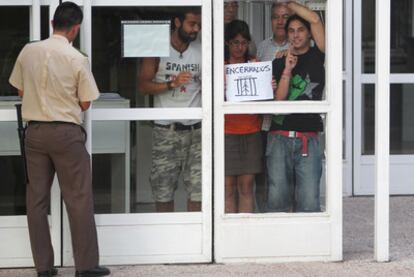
{"type": "Point", "coordinates": [368, 36]}
{"type": "Point", "coordinates": [12, 189]}
{"type": "Point", "coordinates": [123, 158]}
{"type": "Point", "coordinates": [307, 80]}
{"type": "Point", "coordinates": [14, 29]}
{"type": "Point", "coordinates": [259, 174]}
{"type": "Point", "coordinates": [368, 119]}
{"type": "Point", "coordinates": [119, 75]}
{"type": "Point", "coordinates": [401, 127]}
{"type": "Point", "coordinates": [45, 22]}
{"type": "Point", "coordinates": [402, 36]}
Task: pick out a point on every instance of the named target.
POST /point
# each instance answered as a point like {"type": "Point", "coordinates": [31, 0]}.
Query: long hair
{"type": "Point", "coordinates": [232, 29]}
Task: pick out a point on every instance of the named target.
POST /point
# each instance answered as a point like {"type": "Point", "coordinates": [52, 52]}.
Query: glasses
{"type": "Point", "coordinates": [239, 43]}
{"type": "Point", "coordinates": [277, 17]}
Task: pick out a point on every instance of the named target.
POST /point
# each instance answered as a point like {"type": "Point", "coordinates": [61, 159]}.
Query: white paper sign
{"type": "Point", "coordinates": [145, 39]}
{"type": "Point", "coordinates": [249, 81]}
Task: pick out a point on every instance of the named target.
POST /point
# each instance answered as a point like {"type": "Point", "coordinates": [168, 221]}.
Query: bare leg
{"type": "Point", "coordinates": [230, 194]}
{"type": "Point", "coordinates": [245, 188]}
{"type": "Point", "coordinates": [164, 207]}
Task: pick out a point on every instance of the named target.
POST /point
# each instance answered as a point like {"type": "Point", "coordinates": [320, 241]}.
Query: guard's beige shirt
{"type": "Point", "coordinates": [55, 77]}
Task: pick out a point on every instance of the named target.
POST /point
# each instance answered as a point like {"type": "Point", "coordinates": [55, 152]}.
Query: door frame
{"type": "Point", "coordinates": [364, 165]}
{"type": "Point", "coordinates": [14, 229]}
{"type": "Point", "coordinates": [194, 243]}
{"type": "Point", "coordinates": [276, 236]}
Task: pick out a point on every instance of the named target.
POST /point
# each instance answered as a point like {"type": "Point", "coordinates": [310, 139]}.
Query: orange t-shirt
{"type": "Point", "coordinates": [240, 124]}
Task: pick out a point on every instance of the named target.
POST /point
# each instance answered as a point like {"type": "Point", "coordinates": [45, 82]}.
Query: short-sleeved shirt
{"type": "Point", "coordinates": [307, 83]}
{"type": "Point", "coordinates": [267, 49]}
{"type": "Point", "coordinates": [186, 95]}
{"type": "Point", "coordinates": [55, 77]}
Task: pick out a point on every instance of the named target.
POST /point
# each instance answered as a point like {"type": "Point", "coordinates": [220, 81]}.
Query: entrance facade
{"type": "Point", "coordinates": [119, 128]}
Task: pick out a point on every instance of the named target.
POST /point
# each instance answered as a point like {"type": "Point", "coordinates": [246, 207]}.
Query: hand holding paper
{"type": "Point", "coordinates": [182, 78]}
{"type": "Point", "coordinates": [249, 81]}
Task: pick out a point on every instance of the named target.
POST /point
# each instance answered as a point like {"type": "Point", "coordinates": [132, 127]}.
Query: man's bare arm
{"type": "Point", "coordinates": [149, 68]}
{"type": "Point", "coordinates": [146, 85]}
{"type": "Point", "coordinates": [85, 105]}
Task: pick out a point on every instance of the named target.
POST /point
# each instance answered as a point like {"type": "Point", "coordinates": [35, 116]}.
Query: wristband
{"type": "Point", "coordinates": [169, 85]}
{"type": "Point", "coordinates": [287, 73]}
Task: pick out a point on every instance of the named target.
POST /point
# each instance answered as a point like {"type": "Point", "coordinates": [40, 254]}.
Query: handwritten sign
{"type": "Point", "coordinates": [249, 81]}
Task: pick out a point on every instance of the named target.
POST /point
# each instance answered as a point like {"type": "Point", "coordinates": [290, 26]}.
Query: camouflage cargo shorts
{"type": "Point", "coordinates": [175, 153]}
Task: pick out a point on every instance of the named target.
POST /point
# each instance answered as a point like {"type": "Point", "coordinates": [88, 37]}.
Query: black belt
{"type": "Point", "coordinates": [180, 126]}
{"type": "Point", "coordinates": [51, 122]}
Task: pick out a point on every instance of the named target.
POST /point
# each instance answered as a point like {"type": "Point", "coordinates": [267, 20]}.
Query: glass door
{"type": "Point", "coordinates": [402, 97]}
{"type": "Point", "coordinates": [263, 235]}
{"type": "Point", "coordinates": [21, 22]}
{"type": "Point", "coordinates": [131, 197]}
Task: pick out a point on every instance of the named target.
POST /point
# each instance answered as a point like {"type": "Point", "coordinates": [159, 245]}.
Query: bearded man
{"type": "Point", "coordinates": [175, 81]}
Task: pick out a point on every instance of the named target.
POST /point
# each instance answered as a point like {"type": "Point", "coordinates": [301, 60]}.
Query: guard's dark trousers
{"type": "Point", "coordinates": [60, 147]}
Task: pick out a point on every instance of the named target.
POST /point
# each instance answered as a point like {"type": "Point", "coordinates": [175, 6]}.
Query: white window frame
{"type": "Point", "coordinates": [364, 165]}
{"type": "Point", "coordinates": [17, 225]}
{"type": "Point", "coordinates": [332, 107]}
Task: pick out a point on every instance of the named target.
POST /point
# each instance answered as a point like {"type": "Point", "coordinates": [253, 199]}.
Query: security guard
{"type": "Point", "coordinates": [56, 84]}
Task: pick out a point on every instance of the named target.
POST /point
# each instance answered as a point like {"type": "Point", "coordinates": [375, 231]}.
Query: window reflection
{"type": "Point", "coordinates": [401, 128]}
{"type": "Point", "coordinates": [112, 72]}
{"type": "Point", "coordinates": [122, 154]}
{"type": "Point", "coordinates": [15, 33]}
{"type": "Point", "coordinates": [272, 180]}
{"type": "Point", "coordinates": [157, 165]}
{"type": "Point", "coordinates": [402, 36]}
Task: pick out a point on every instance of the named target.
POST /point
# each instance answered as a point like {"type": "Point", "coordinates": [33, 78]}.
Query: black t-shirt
{"type": "Point", "coordinates": [307, 83]}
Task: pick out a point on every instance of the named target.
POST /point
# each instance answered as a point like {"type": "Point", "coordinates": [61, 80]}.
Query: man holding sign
{"type": "Point", "coordinates": [175, 81]}
{"type": "Point", "coordinates": [294, 158]}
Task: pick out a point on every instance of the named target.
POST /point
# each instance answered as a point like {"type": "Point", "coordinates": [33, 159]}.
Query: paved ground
{"type": "Point", "coordinates": [358, 252]}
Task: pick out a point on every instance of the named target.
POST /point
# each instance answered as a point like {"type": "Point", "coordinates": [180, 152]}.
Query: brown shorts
{"type": "Point", "coordinates": [243, 154]}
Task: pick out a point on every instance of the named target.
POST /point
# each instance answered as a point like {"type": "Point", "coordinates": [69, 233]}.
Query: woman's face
{"type": "Point", "coordinates": [238, 47]}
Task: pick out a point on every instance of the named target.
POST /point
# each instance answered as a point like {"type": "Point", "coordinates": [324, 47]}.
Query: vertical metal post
{"type": "Point", "coordinates": [86, 46]}
{"type": "Point", "coordinates": [334, 123]}
{"type": "Point", "coordinates": [35, 20]}
{"type": "Point", "coordinates": [382, 129]}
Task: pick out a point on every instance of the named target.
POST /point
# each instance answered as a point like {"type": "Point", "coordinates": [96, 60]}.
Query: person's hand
{"type": "Point", "coordinates": [291, 61]}
{"type": "Point", "coordinates": [182, 78]}
{"type": "Point", "coordinates": [274, 84]}
{"type": "Point", "coordinates": [281, 54]}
